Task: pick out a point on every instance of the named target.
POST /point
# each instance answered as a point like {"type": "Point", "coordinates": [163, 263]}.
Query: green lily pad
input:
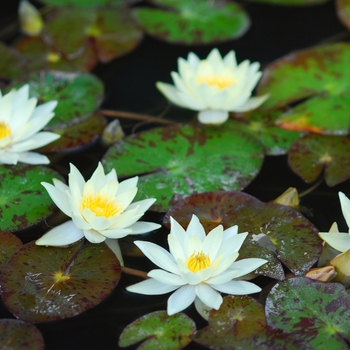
{"type": "Point", "coordinates": [292, 2]}
{"type": "Point", "coordinates": [276, 233]}
{"type": "Point", "coordinates": [9, 243]}
{"type": "Point", "coordinates": [24, 201]}
{"type": "Point", "coordinates": [317, 312]}
{"type": "Point", "coordinates": [83, 3]}
{"type": "Point", "coordinates": [159, 331]}
{"type": "Point", "coordinates": [312, 155]}
{"type": "Point", "coordinates": [78, 95]}
{"type": "Point", "coordinates": [19, 335]}
{"type": "Point", "coordinates": [260, 124]}
{"type": "Point", "coordinates": [77, 135]}
{"type": "Point", "coordinates": [343, 11]}
{"type": "Point", "coordinates": [194, 21]}
{"type": "Point", "coordinates": [318, 81]}
{"type": "Point", "coordinates": [12, 63]}
{"type": "Point", "coordinates": [179, 160]}
{"type": "Point", "coordinates": [40, 56]}
{"type": "Point", "coordinates": [41, 284]}
{"type": "Point", "coordinates": [112, 32]}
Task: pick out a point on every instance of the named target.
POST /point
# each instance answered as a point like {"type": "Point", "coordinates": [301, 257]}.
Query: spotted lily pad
{"type": "Point", "coordinates": [159, 331]}
{"type": "Point", "coordinates": [194, 21]}
{"type": "Point", "coordinates": [317, 312]}
{"type": "Point", "coordinates": [276, 233]}
{"type": "Point", "coordinates": [312, 155]}
{"type": "Point", "coordinates": [78, 95]}
{"type": "Point", "coordinates": [41, 284]}
{"type": "Point", "coordinates": [112, 32]}
{"type": "Point", "coordinates": [12, 63]}
{"type": "Point", "coordinates": [24, 202]}
{"type": "Point", "coordinates": [19, 335]}
{"type": "Point", "coordinates": [9, 243]}
{"type": "Point", "coordinates": [317, 80]}
{"type": "Point", "coordinates": [179, 160]}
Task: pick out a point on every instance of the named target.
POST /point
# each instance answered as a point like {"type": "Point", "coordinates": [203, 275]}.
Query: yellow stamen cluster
{"type": "Point", "coordinates": [221, 81]}
{"type": "Point", "coordinates": [101, 205]}
{"type": "Point", "coordinates": [4, 130]}
{"type": "Point", "coordinates": [197, 262]}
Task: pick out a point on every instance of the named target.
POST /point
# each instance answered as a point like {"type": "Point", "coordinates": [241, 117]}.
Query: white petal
{"type": "Point", "coordinates": [112, 175]}
{"type": "Point", "coordinates": [21, 114]}
{"type": "Point", "coordinates": [127, 185]}
{"type": "Point", "coordinates": [114, 246]}
{"type": "Point", "coordinates": [337, 240]}
{"type": "Point", "coordinates": [181, 299]}
{"type": "Point", "coordinates": [98, 223]}
{"type": "Point", "coordinates": [8, 157]}
{"type": "Point", "coordinates": [61, 235]}
{"type": "Point", "coordinates": [44, 109]}
{"type": "Point", "coordinates": [59, 198]}
{"type": "Point", "coordinates": [232, 244]}
{"type": "Point", "coordinates": [345, 207]}
{"type": "Point", "coordinates": [6, 107]}
{"type": "Point", "coordinates": [212, 117]}
{"type": "Point", "coordinates": [237, 287]}
{"type": "Point", "coordinates": [209, 296]}
{"type": "Point", "coordinates": [116, 234]}
{"type": "Point", "coordinates": [78, 177]}
{"type": "Point", "coordinates": [195, 228]}
{"type": "Point", "coordinates": [143, 205]}
{"type": "Point", "coordinates": [98, 179]}
{"type": "Point", "coordinates": [171, 93]}
{"type": "Point", "coordinates": [176, 249]}
{"type": "Point", "coordinates": [36, 141]}
{"type": "Point", "coordinates": [225, 263]}
{"type": "Point", "coordinates": [212, 242]}
{"type": "Point", "coordinates": [140, 227]}
{"type": "Point", "coordinates": [166, 277]}
{"type": "Point", "coordinates": [93, 236]}
{"type": "Point", "coordinates": [151, 287]}
{"type": "Point", "coordinates": [252, 103]}
{"type": "Point", "coordinates": [32, 158]}
{"type": "Point", "coordinates": [246, 266]}
{"type": "Point", "coordinates": [193, 60]}
{"type": "Point", "coordinates": [177, 231]}
{"type": "Point", "coordinates": [124, 199]}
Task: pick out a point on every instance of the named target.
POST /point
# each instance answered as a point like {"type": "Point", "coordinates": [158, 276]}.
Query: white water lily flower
{"type": "Point", "coordinates": [197, 266]}
{"type": "Point", "coordinates": [20, 123]}
{"type": "Point", "coordinates": [214, 86]}
{"type": "Point", "coordinates": [339, 240]}
{"type": "Point", "coordinates": [100, 209]}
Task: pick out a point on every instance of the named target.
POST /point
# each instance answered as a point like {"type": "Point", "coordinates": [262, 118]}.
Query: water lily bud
{"type": "Point", "coordinates": [30, 19]}
{"type": "Point", "coordinates": [342, 266]}
{"type": "Point", "coordinates": [112, 133]}
{"type": "Point", "coordinates": [324, 274]}
{"type": "Point", "coordinates": [289, 198]}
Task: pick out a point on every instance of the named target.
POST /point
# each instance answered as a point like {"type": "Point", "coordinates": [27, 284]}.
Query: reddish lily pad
{"type": "Point", "coordinates": [40, 56]}
{"type": "Point", "coordinates": [79, 95]}
{"type": "Point", "coordinates": [41, 284]}
{"type": "Point", "coordinates": [77, 135]}
{"type": "Point", "coordinates": [9, 243]}
{"type": "Point", "coordinates": [12, 63]}
{"type": "Point", "coordinates": [111, 32]}
{"type": "Point", "coordinates": [316, 312]}
{"type": "Point", "coordinates": [194, 21]}
{"type": "Point", "coordinates": [159, 331]}
{"type": "Point", "coordinates": [318, 81]}
{"type": "Point", "coordinates": [276, 232]}
{"type": "Point", "coordinates": [24, 201]}
{"type": "Point", "coordinates": [179, 160]}
{"type": "Point", "coordinates": [312, 155]}
{"type": "Point", "coordinates": [19, 335]}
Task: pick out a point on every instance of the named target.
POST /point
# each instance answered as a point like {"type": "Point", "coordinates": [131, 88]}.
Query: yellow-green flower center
{"type": "Point", "coordinates": [101, 205]}
{"type": "Point", "coordinates": [53, 57]}
{"type": "Point", "coordinates": [197, 262]}
{"type": "Point", "coordinates": [220, 81]}
{"type": "Point", "coordinates": [4, 130]}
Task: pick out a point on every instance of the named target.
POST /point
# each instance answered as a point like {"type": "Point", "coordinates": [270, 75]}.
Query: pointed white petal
{"type": "Point", "coordinates": [140, 227]}
{"type": "Point", "coordinates": [252, 103]}
{"type": "Point", "coordinates": [143, 205]}
{"type": "Point", "coordinates": [44, 109]}
{"type": "Point", "coordinates": [337, 240]}
{"type": "Point", "coordinates": [93, 236]}
{"type": "Point", "coordinates": [78, 177]}
{"type": "Point", "coordinates": [166, 277]}
{"type": "Point", "coordinates": [127, 185]}
{"type": "Point", "coordinates": [59, 198]}
{"type": "Point", "coordinates": [209, 296]}
{"type": "Point", "coordinates": [212, 117]}
{"type": "Point", "coordinates": [114, 246]}
{"type": "Point", "coordinates": [246, 266]}
{"type": "Point", "coordinates": [195, 228]}
{"type": "Point", "coordinates": [151, 287]}
{"type": "Point", "coordinates": [345, 207]}
{"type": "Point", "coordinates": [181, 299]}
{"type": "Point", "coordinates": [8, 157]}
{"type": "Point", "coordinates": [237, 287]}
{"type": "Point", "coordinates": [116, 234]}
{"type": "Point", "coordinates": [32, 158]}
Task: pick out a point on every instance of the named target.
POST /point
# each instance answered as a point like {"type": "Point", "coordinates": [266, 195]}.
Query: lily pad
{"type": "Point", "coordinates": [176, 161]}
{"type": "Point", "coordinates": [312, 155]}
{"type": "Point", "coordinates": [159, 331]}
{"type": "Point", "coordinates": [24, 201]}
{"type": "Point", "coordinates": [317, 312]}
{"type": "Point", "coordinates": [276, 233]}
{"type": "Point", "coordinates": [83, 3]}
{"type": "Point", "coordinates": [41, 284]}
{"type": "Point", "coordinates": [40, 56]}
{"type": "Point", "coordinates": [318, 82]}
{"type": "Point", "coordinates": [78, 135]}
{"type": "Point", "coordinates": [112, 32]}
{"type": "Point", "coordinates": [194, 21]}
{"type": "Point", "coordinates": [343, 11]}
{"type": "Point", "coordinates": [292, 2]}
{"type": "Point", "coordinates": [9, 243]}
{"type": "Point", "coordinates": [260, 124]}
{"type": "Point", "coordinates": [12, 63]}
{"type": "Point", "coordinates": [19, 335]}
{"type": "Point", "coordinates": [78, 95]}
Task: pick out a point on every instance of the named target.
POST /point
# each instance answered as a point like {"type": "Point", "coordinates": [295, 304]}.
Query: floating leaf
{"type": "Point", "coordinates": [79, 95]}
{"type": "Point", "coordinates": [275, 231]}
{"type": "Point", "coordinates": [311, 155]}
{"type": "Point", "coordinates": [19, 335]}
{"type": "Point", "coordinates": [194, 21]}
{"type": "Point", "coordinates": [77, 135]}
{"type": "Point", "coordinates": [319, 80]}
{"type": "Point", "coordinates": [24, 201]}
{"type": "Point", "coordinates": [83, 3]}
{"type": "Point", "coordinates": [317, 312]}
{"type": "Point", "coordinates": [12, 63]}
{"type": "Point", "coordinates": [292, 2]}
{"type": "Point", "coordinates": [343, 11]}
{"type": "Point", "coordinates": [41, 284]}
{"type": "Point", "coordinates": [260, 124]}
{"type": "Point", "coordinates": [179, 160]}
{"type": "Point", "coordinates": [159, 331]}
{"type": "Point", "coordinates": [40, 56]}
{"type": "Point", "coordinates": [111, 32]}
{"type": "Point", "coordinates": [9, 243]}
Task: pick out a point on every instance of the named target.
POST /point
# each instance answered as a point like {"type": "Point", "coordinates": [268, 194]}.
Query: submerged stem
{"type": "Point", "coordinates": [314, 186]}
{"type": "Point", "coordinates": [134, 272]}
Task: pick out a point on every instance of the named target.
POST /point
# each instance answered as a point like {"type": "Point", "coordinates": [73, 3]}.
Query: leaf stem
{"type": "Point", "coordinates": [134, 272]}
{"type": "Point", "coordinates": [314, 186]}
